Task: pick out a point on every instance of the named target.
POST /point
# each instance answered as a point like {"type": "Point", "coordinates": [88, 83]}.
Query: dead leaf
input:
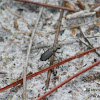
{"type": "Point", "coordinates": [74, 31]}
{"type": "Point", "coordinates": [66, 18]}
{"type": "Point", "coordinates": [98, 23]}
{"type": "Point", "coordinates": [15, 24]}
{"type": "Point", "coordinates": [79, 52]}
{"type": "Point", "coordinates": [81, 4]}
{"type": "Point", "coordinates": [70, 5]}
{"type": "Point", "coordinates": [64, 73]}
{"type": "Point", "coordinates": [89, 29]}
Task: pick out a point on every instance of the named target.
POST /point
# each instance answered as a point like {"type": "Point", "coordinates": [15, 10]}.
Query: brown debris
{"type": "Point", "coordinates": [15, 24]}
{"type": "Point", "coordinates": [98, 13]}
{"type": "Point", "coordinates": [81, 4]}
{"type": "Point", "coordinates": [47, 5]}
{"type": "Point", "coordinates": [74, 31]}
{"type": "Point", "coordinates": [98, 23]}
{"type": "Point", "coordinates": [91, 77]}
{"type": "Point", "coordinates": [95, 6]}
{"type": "Point", "coordinates": [89, 29]}
{"type": "Point", "coordinates": [69, 5]}
{"type": "Point", "coordinates": [55, 43]}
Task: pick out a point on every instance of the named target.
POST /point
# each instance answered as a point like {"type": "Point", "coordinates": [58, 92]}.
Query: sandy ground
{"type": "Point", "coordinates": [14, 41]}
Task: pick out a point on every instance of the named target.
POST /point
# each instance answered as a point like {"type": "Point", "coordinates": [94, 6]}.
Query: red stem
{"type": "Point", "coordinates": [97, 5]}
{"type": "Point", "coordinates": [67, 80]}
{"type": "Point", "coordinates": [47, 5]}
{"type": "Point", "coordinates": [48, 68]}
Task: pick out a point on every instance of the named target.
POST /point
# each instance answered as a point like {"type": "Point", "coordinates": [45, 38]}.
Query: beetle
{"type": "Point", "coordinates": [47, 54]}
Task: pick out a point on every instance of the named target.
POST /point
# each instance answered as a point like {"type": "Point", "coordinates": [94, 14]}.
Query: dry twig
{"type": "Point", "coordinates": [95, 6]}
{"type": "Point", "coordinates": [78, 25]}
{"type": "Point", "coordinates": [89, 44]}
{"type": "Point", "coordinates": [83, 13]}
{"type": "Point", "coordinates": [28, 53]}
{"type": "Point", "coordinates": [47, 5]}
{"type": "Point", "coordinates": [55, 43]}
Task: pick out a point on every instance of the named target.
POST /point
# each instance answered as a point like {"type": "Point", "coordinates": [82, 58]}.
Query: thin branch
{"type": "Point", "coordinates": [83, 13]}
{"type": "Point", "coordinates": [90, 45]}
{"type": "Point", "coordinates": [93, 37]}
{"type": "Point", "coordinates": [97, 5]}
{"type": "Point", "coordinates": [85, 43]}
{"type": "Point", "coordinates": [47, 5]}
{"type": "Point", "coordinates": [78, 25]}
{"type": "Point", "coordinates": [28, 53]}
{"type": "Point", "coordinates": [55, 43]}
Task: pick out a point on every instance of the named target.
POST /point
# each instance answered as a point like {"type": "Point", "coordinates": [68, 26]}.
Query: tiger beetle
{"type": "Point", "coordinates": [47, 54]}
